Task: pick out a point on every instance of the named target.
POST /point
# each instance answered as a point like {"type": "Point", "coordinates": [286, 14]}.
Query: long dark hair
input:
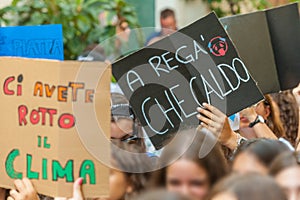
{"type": "Point", "coordinates": [248, 187]}
{"type": "Point", "coordinates": [289, 114]}
{"type": "Point", "coordinates": [273, 121]}
{"type": "Point", "coordinates": [265, 150]}
{"type": "Point", "coordinates": [130, 159]}
{"type": "Point", "coordinates": [284, 161]}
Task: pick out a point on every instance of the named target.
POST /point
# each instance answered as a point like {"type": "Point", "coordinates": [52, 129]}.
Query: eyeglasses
{"type": "Point", "coordinates": [131, 139]}
{"type": "Point", "coordinates": [121, 112]}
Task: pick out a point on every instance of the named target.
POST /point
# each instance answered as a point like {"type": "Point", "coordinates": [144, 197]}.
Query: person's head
{"type": "Point", "coordinates": [124, 125]}
{"type": "Point", "coordinates": [256, 155]}
{"type": "Point", "coordinates": [168, 21]}
{"type": "Point", "coordinates": [247, 187]}
{"type": "Point", "coordinates": [122, 31]}
{"type": "Point", "coordinates": [286, 171]}
{"type": "Point", "coordinates": [269, 110]}
{"type": "Point", "coordinates": [190, 174]}
{"type": "Point", "coordinates": [130, 171]}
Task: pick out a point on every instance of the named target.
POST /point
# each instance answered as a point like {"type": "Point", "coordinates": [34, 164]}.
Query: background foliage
{"type": "Point", "coordinates": [79, 18]}
{"type": "Point", "coordinates": [233, 7]}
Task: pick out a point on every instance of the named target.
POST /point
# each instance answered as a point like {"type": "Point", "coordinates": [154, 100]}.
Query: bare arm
{"type": "Point", "coordinates": [261, 129]}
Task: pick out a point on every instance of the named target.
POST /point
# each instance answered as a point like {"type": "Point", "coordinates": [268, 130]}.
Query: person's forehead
{"type": "Point", "coordinates": [169, 19]}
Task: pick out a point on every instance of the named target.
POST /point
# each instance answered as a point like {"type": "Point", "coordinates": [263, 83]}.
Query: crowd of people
{"type": "Point", "coordinates": [209, 161]}
{"type": "Point", "coordinates": [262, 163]}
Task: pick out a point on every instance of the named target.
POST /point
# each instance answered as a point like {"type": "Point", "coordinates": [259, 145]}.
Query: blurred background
{"type": "Point", "coordinates": [87, 22]}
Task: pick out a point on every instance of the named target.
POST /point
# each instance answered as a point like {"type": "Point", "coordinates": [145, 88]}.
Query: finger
{"type": "Point", "coordinates": [213, 109]}
{"type": "Point", "coordinates": [28, 184]}
{"type": "Point", "coordinates": [10, 198]}
{"type": "Point", "coordinates": [14, 194]}
{"type": "Point", "coordinates": [19, 185]}
{"type": "Point", "coordinates": [60, 198]}
{"type": "Point", "coordinates": [216, 132]}
{"type": "Point", "coordinates": [206, 121]}
{"type": "Point", "coordinates": [207, 127]}
{"type": "Point", "coordinates": [206, 113]}
{"type": "Point", "coordinates": [296, 91]}
{"type": "Point", "coordinates": [77, 193]}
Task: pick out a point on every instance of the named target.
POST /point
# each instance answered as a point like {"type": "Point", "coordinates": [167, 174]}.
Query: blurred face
{"type": "Point", "coordinates": [248, 115]}
{"type": "Point", "coordinates": [289, 180]}
{"type": "Point", "coordinates": [244, 121]}
{"type": "Point", "coordinates": [118, 185]}
{"type": "Point", "coordinates": [168, 25]}
{"type": "Point", "coordinates": [247, 162]}
{"type": "Point", "coordinates": [187, 178]}
{"type": "Point", "coordinates": [260, 109]}
{"type": "Point", "coordinates": [120, 127]}
{"type": "Point", "coordinates": [123, 31]}
{"type": "Point", "coordinates": [224, 196]}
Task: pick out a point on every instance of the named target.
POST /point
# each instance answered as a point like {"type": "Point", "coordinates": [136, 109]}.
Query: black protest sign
{"type": "Point", "coordinates": [250, 34]}
{"type": "Point", "coordinates": [284, 30]}
{"type": "Point", "coordinates": [167, 80]}
{"type": "Point", "coordinates": [268, 43]}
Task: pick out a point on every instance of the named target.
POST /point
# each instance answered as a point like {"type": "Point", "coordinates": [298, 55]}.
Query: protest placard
{"type": "Point", "coordinates": [167, 80]}
{"type": "Point", "coordinates": [42, 133]}
{"type": "Point", "coordinates": [268, 42]}
{"type": "Point", "coordinates": [284, 28]}
{"type": "Point", "coordinates": [42, 41]}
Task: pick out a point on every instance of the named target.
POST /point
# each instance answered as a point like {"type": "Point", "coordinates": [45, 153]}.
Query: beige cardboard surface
{"type": "Point", "coordinates": [55, 121]}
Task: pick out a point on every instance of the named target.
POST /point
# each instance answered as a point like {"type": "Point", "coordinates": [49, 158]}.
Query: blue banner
{"type": "Point", "coordinates": [42, 41]}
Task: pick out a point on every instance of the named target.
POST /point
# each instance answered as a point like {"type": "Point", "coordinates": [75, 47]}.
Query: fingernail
{"type": "Point", "coordinates": [80, 181]}
{"type": "Point", "coordinates": [204, 104]}
{"type": "Point", "coordinates": [198, 115]}
{"type": "Point", "coordinates": [199, 109]}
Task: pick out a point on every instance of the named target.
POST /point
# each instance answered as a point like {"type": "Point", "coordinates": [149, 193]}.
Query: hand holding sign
{"type": "Point", "coordinates": [24, 190]}
{"type": "Point", "coordinates": [217, 122]}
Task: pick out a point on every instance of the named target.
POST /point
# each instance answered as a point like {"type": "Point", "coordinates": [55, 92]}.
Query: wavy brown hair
{"type": "Point", "coordinates": [289, 114]}
{"type": "Point", "coordinates": [273, 121]}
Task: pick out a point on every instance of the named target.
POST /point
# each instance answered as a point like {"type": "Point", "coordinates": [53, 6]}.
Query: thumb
{"type": "Point", "coordinates": [77, 193]}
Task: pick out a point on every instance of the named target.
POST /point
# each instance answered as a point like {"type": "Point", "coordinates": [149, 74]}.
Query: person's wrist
{"type": "Point", "coordinates": [257, 120]}
{"type": "Point", "coordinates": [231, 142]}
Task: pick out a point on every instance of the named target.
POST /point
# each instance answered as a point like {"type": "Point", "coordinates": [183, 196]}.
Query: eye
{"type": "Point", "coordinates": [173, 182]}
{"type": "Point", "coordinates": [198, 183]}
